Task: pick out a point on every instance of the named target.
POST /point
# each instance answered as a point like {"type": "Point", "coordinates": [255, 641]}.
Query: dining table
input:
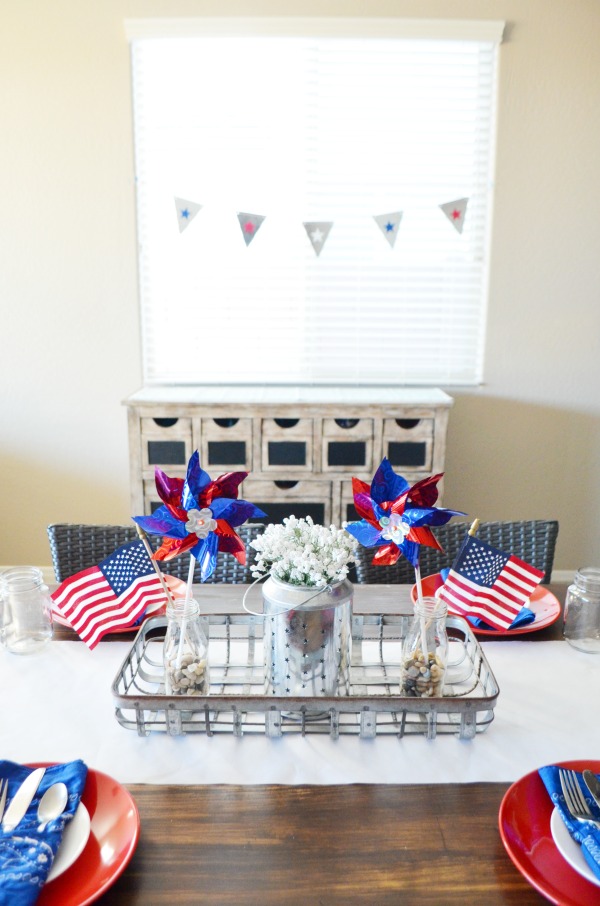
{"type": "Point", "coordinates": [309, 818]}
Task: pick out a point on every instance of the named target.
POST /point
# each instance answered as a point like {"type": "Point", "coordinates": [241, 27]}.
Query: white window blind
{"type": "Point", "coordinates": [314, 121]}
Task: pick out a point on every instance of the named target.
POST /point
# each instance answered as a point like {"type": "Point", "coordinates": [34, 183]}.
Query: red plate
{"type": "Point", "coordinates": [524, 822]}
{"type": "Point", "coordinates": [177, 586]}
{"type": "Point", "coordinates": [159, 612]}
{"type": "Point", "coordinates": [543, 603]}
{"type": "Point", "coordinates": [114, 834]}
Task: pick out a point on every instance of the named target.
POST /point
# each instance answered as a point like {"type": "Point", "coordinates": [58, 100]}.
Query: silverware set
{"type": "Point", "coordinates": [51, 805]}
{"type": "Point", "coordinates": [575, 798]}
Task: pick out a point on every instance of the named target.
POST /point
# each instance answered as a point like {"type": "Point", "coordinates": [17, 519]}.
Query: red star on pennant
{"type": "Point", "coordinates": [249, 227]}
{"type": "Point", "coordinates": [455, 214]}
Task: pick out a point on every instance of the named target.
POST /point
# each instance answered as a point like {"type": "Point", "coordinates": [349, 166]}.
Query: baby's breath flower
{"type": "Point", "coordinates": [302, 553]}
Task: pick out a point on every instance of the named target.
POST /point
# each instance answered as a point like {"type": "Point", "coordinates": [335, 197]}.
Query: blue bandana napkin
{"type": "Point", "coordinates": [524, 616]}
{"type": "Point", "coordinates": [585, 834]}
{"type": "Point", "coordinates": [26, 855]}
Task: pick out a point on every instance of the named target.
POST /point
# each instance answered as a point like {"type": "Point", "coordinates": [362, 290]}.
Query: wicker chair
{"type": "Point", "coordinates": [533, 541]}
{"type": "Point", "coordinates": [77, 547]}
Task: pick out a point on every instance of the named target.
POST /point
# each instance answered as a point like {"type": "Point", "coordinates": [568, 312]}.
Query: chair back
{"type": "Point", "coordinates": [533, 541]}
{"type": "Point", "coordinates": [77, 547]}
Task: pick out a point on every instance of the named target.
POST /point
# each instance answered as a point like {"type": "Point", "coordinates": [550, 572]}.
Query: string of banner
{"type": "Point", "coordinates": [318, 230]}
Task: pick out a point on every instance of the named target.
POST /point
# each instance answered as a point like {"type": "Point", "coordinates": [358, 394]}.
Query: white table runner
{"type": "Point", "coordinates": [57, 705]}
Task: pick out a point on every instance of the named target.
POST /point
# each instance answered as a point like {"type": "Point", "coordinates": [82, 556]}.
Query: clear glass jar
{"type": "Point", "coordinates": [422, 675]}
{"type": "Point", "coordinates": [581, 626]}
{"type": "Point", "coordinates": [185, 650]}
{"type": "Point", "coordinates": [26, 621]}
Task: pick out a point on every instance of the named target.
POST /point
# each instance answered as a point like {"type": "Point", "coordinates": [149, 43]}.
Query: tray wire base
{"type": "Point", "coordinates": [237, 703]}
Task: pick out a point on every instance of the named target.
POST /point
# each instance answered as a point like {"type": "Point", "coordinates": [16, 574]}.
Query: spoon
{"type": "Point", "coordinates": [52, 804]}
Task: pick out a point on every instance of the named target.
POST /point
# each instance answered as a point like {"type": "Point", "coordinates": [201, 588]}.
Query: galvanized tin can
{"type": "Point", "coordinates": [307, 638]}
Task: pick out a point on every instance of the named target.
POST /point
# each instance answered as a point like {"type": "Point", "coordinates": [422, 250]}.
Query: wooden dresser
{"type": "Point", "coordinates": [300, 445]}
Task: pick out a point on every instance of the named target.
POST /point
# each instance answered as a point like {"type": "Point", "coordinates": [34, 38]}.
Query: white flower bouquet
{"type": "Point", "coordinates": [301, 553]}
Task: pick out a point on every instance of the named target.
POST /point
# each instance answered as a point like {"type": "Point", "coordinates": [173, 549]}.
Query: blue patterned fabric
{"type": "Point", "coordinates": [584, 833]}
{"type": "Point", "coordinates": [26, 855]}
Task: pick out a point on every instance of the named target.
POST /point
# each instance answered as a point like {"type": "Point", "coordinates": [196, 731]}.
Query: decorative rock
{"type": "Point", "coordinates": [188, 678]}
{"type": "Point", "coordinates": [420, 677]}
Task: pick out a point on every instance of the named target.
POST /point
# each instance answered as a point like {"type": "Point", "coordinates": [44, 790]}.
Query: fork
{"type": "Point", "coordinates": [3, 792]}
{"type": "Point", "coordinates": [574, 798]}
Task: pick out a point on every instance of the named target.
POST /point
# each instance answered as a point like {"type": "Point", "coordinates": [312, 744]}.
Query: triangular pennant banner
{"type": "Point", "coordinates": [250, 224]}
{"type": "Point", "coordinates": [455, 212]}
{"type": "Point", "coordinates": [317, 232]}
{"type": "Point", "coordinates": [389, 224]}
{"type": "Point", "coordinates": [186, 211]}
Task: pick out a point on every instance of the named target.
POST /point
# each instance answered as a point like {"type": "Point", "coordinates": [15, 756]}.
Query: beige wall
{"type": "Point", "coordinates": [525, 445]}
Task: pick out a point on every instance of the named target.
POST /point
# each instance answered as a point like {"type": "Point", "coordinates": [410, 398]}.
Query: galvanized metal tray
{"type": "Point", "coordinates": [237, 702]}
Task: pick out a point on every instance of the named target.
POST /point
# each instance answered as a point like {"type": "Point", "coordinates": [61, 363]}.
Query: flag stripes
{"type": "Point", "coordinates": [110, 596]}
{"type": "Point", "coordinates": [488, 584]}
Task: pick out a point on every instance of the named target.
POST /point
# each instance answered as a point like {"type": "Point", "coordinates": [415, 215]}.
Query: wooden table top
{"type": "Point", "coordinates": [433, 844]}
{"type": "Point", "coordinates": [372, 844]}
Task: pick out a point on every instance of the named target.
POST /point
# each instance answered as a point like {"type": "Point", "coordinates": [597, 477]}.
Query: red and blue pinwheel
{"type": "Point", "coordinates": [395, 516]}
{"type": "Point", "coordinates": [200, 516]}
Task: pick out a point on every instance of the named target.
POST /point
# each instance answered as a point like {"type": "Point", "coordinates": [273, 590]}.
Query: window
{"type": "Point", "coordinates": [328, 122]}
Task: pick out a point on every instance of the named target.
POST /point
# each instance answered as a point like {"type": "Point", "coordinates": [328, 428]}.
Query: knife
{"type": "Point", "coordinates": [22, 799]}
{"type": "Point", "coordinates": [593, 785]}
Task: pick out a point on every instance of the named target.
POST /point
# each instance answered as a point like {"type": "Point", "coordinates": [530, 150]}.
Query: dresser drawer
{"type": "Point", "coordinates": [408, 443]}
{"type": "Point", "coordinates": [347, 444]}
{"type": "Point", "coordinates": [299, 498]}
{"type": "Point", "coordinates": [287, 444]}
{"type": "Point", "coordinates": [226, 445]}
{"type": "Point", "coordinates": [166, 442]}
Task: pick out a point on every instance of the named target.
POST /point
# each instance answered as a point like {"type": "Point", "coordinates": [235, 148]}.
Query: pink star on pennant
{"type": "Point", "coordinates": [455, 212]}
{"type": "Point", "coordinates": [249, 224]}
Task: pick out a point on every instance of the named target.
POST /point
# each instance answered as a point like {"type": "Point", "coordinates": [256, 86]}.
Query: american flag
{"type": "Point", "coordinates": [110, 596]}
{"type": "Point", "coordinates": [489, 584]}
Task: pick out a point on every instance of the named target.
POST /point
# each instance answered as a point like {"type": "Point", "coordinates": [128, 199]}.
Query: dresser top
{"type": "Point", "coordinates": [208, 394]}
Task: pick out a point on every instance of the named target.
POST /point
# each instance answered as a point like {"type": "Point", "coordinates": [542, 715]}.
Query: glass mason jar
{"type": "Point", "coordinates": [581, 626]}
{"type": "Point", "coordinates": [185, 650]}
{"type": "Point", "coordinates": [425, 651]}
{"type": "Point", "coordinates": [26, 623]}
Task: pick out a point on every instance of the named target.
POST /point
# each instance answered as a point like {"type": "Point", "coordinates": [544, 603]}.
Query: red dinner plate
{"type": "Point", "coordinates": [543, 603]}
{"type": "Point", "coordinates": [159, 612]}
{"type": "Point", "coordinates": [114, 834]}
{"type": "Point", "coordinates": [524, 822]}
